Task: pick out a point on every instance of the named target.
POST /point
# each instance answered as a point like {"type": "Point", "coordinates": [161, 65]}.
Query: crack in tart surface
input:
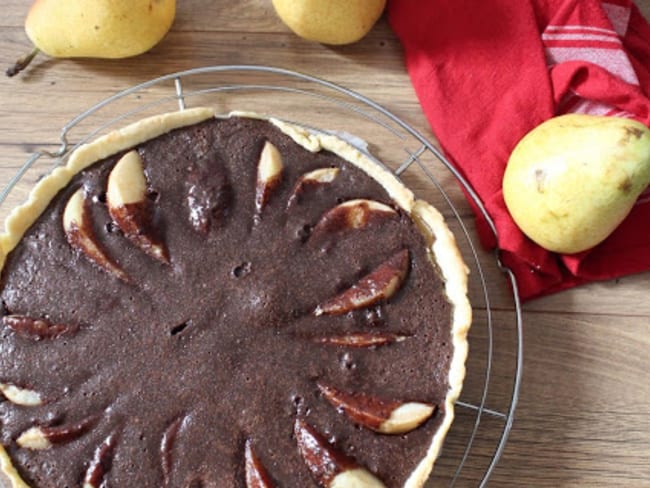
{"type": "Point", "coordinates": [195, 301]}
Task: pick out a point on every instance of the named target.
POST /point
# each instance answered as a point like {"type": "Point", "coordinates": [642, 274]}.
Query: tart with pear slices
{"type": "Point", "coordinates": [201, 301]}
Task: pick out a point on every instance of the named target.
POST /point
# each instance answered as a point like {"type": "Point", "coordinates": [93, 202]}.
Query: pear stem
{"type": "Point", "coordinates": [22, 63]}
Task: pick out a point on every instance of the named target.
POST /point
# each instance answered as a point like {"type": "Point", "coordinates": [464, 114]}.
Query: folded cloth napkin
{"type": "Point", "coordinates": [487, 72]}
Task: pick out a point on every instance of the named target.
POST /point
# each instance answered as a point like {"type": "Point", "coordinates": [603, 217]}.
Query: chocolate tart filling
{"type": "Point", "coordinates": [243, 311]}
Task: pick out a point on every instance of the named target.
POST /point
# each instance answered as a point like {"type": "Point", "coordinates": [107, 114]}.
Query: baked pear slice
{"type": "Point", "coordinates": [269, 175]}
{"type": "Point", "coordinates": [130, 207]}
{"type": "Point", "coordinates": [80, 235]}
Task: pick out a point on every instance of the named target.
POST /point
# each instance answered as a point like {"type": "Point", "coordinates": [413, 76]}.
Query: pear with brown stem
{"type": "Point", "coordinates": [95, 29]}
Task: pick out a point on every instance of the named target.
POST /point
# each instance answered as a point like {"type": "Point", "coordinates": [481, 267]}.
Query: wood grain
{"type": "Point", "coordinates": [584, 414]}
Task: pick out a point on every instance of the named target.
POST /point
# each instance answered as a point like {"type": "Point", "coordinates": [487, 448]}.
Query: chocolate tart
{"type": "Point", "coordinates": [200, 301]}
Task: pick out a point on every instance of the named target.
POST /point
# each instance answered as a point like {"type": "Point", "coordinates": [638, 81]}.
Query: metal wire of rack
{"type": "Point", "coordinates": [485, 411]}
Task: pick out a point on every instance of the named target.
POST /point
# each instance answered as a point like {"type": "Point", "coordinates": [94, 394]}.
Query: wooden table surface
{"type": "Point", "coordinates": [583, 417]}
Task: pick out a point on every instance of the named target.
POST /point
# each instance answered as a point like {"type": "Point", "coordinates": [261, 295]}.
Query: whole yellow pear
{"type": "Point", "coordinates": [330, 21]}
{"type": "Point", "coordinates": [96, 28]}
{"type": "Point", "coordinates": [574, 178]}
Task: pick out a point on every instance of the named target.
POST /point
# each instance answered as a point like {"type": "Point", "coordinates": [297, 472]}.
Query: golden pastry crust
{"type": "Point", "coordinates": [443, 250]}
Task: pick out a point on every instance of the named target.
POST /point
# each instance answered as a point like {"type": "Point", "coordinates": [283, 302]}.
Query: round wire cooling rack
{"type": "Point", "coordinates": [485, 410]}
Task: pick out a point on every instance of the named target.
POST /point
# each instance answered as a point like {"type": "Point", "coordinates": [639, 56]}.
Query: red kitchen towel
{"type": "Point", "coordinates": [486, 72]}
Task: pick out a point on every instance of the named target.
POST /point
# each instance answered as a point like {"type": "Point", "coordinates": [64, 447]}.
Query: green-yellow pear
{"type": "Point", "coordinates": [330, 21]}
{"type": "Point", "coordinates": [97, 28]}
{"type": "Point", "coordinates": [574, 178]}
